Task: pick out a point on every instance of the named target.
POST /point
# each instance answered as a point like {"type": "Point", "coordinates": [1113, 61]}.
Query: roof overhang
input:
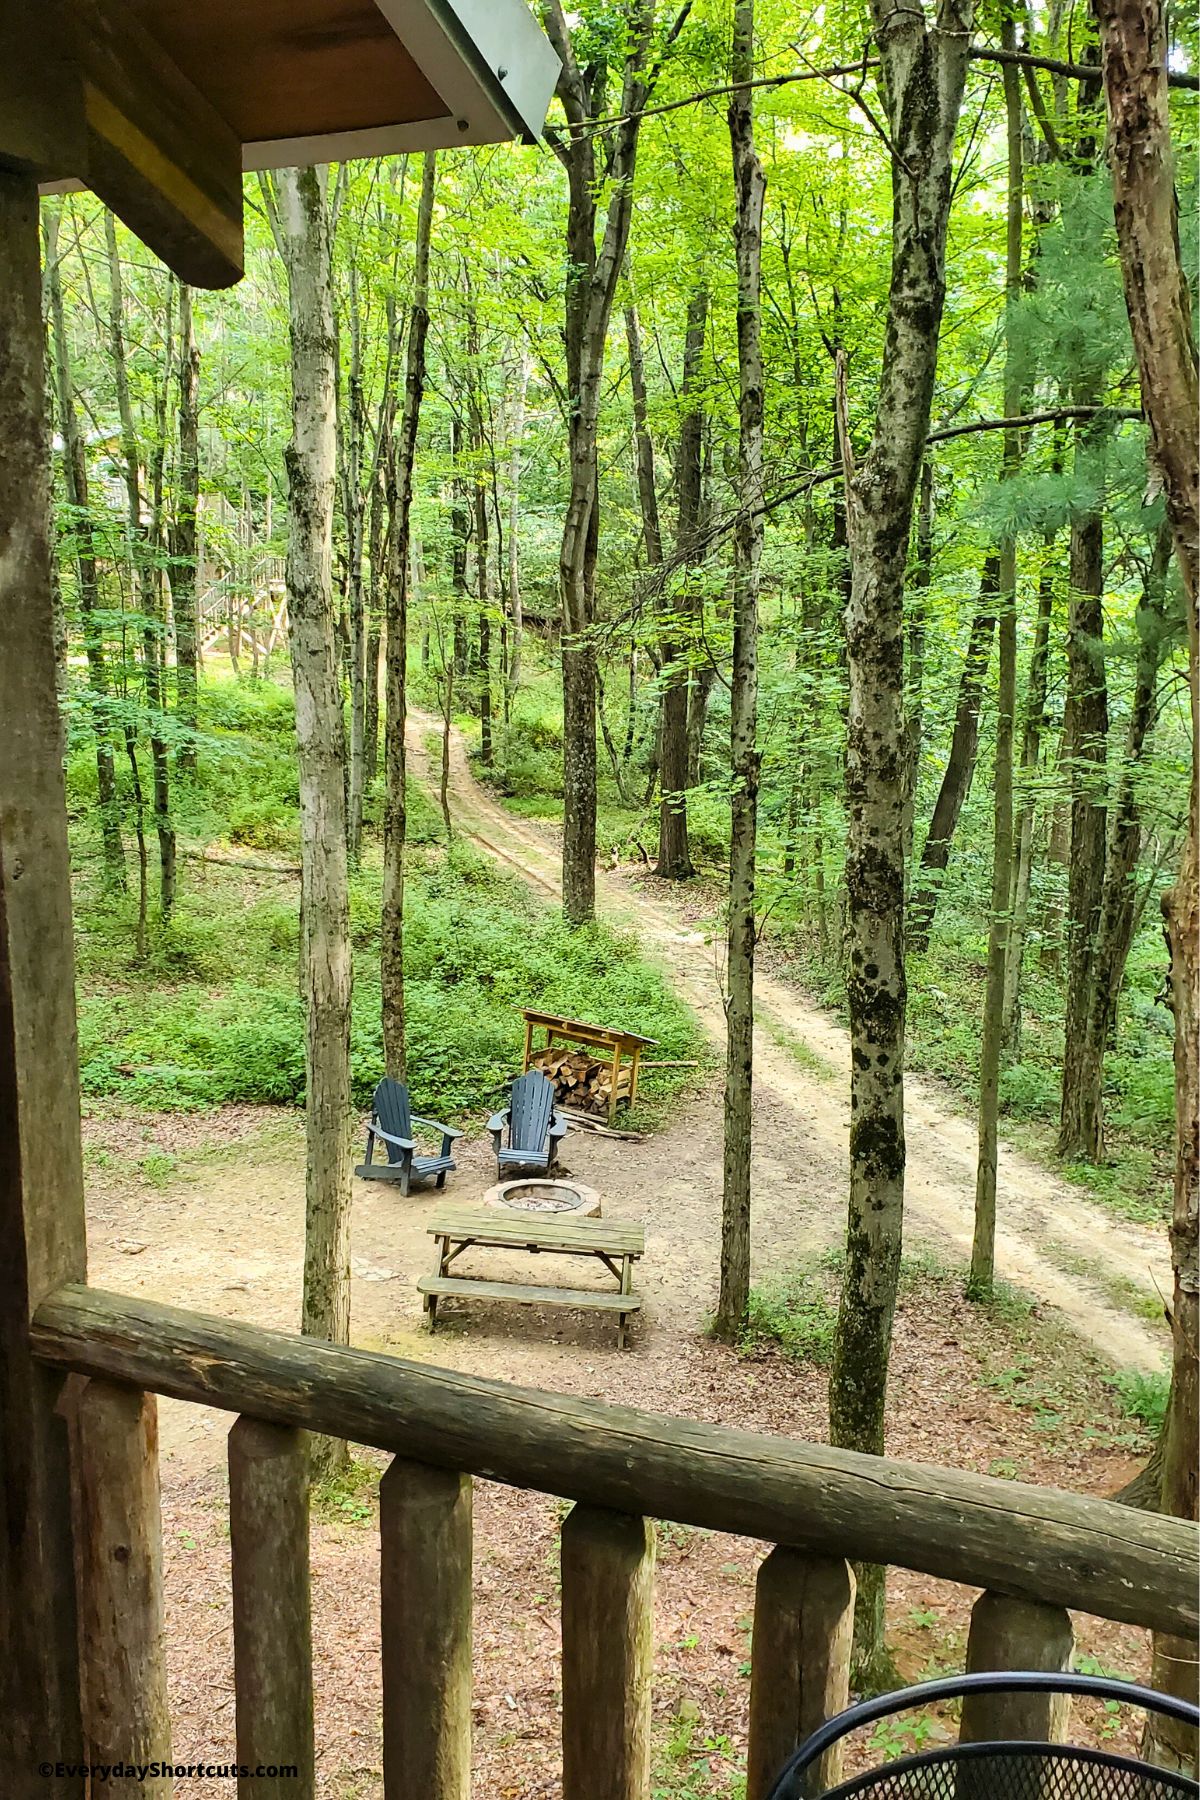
{"type": "Point", "coordinates": [159, 105]}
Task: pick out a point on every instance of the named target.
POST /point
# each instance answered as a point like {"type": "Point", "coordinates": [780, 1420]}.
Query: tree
{"type": "Point", "coordinates": [300, 214]}
{"type": "Point", "coordinates": [674, 850]}
{"type": "Point", "coordinates": [352, 438]}
{"type": "Point", "coordinates": [184, 535]}
{"type": "Point", "coordinates": [983, 1247]}
{"type": "Point", "coordinates": [923, 73]}
{"type": "Point", "coordinates": [75, 475]}
{"type": "Point", "coordinates": [749, 189]}
{"type": "Point", "coordinates": [1134, 46]}
{"type": "Point", "coordinates": [145, 571]}
{"type": "Point", "coordinates": [960, 762]}
{"type": "Point", "coordinates": [593, 270]}
{"type": "Point", "coordinates": [400, 487]}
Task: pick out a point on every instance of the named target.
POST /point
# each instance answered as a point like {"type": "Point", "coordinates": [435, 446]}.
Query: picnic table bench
{"type": "Point", "coordinates": [458, 1228]}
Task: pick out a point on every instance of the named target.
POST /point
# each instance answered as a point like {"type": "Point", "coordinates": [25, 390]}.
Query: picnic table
{"type": "Point", "coordinates": [457, 1228]}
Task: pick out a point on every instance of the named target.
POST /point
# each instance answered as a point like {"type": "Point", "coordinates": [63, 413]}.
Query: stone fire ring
{"type": "Point", "coordinates": [539, 1194]}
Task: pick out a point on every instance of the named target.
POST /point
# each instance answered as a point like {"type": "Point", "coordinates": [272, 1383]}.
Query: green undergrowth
{"type": "Point", "coordinates": [348, 1496]}
{"type": "Point", "coordinates": [212, 1015]}
{"type": "Point", "coordinates": [1142, 1395]}
{"type": "Point", "coordinates": [1024, 1351]}
{"type": "Point", "coordinates": [792, 1310]}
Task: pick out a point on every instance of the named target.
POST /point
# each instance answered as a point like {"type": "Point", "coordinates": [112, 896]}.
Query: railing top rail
{"type": "Point", "coordinates": [1030, 1542]}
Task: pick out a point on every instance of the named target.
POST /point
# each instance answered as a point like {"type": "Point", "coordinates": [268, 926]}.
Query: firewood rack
{"type": "Point", "coordinates": [614, 1044]}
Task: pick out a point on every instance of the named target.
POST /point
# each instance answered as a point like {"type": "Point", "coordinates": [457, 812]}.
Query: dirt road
{"type": "Point", "coordinates": [1044, 1222]}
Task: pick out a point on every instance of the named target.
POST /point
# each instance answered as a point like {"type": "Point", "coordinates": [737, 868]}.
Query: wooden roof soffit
{"type": "Point", "coordinates": [159, 105]}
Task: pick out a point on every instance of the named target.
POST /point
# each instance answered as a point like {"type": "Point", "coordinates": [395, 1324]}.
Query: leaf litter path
{"type": "Point", "coordinates": [1034, 1207]}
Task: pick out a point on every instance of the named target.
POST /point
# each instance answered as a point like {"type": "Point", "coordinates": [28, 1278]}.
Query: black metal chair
{"type": "Point", "coordinates": [994, 1771]}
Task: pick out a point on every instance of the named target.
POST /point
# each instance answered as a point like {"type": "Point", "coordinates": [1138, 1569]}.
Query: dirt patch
{"type": "Point", "coordinates": [1011, 1392]}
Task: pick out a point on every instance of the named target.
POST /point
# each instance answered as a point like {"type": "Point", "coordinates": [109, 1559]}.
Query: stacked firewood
{"type": "Point", "coordinates": [579, 1080]}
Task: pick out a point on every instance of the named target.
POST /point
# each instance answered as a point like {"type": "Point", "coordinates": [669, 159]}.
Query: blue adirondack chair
{"type": "Point", "coordinates": [533, 1126]}
{"type": "Point", "coordinates": [392, 1121]}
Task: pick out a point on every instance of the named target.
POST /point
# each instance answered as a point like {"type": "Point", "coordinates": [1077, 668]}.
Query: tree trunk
{"type": "Point", "coordinates": [923, 73]}
{"type": "Point", "coordinates": [1115, 924]}
{"type": "Point", "coordinates": [447, 716]}
{"type": "Point", "coordinates": [960, 764]}
{"type": "Point", "coordinates": [981, 1280]}
{"type": "Point", "coordinates": [1031, 742]}
{"type": "Point", "coordinates": [154, 635]}
{"type": "Point", "coordinates": [139, 832]}
{"type": "Point", "coordinates": [460, 537]}
{"type": "Point", "coordinates": [144, 577]}
{"type": "Point", "coordinates": [514, 515]}
{"type": "Point", "coordinates": [395, 806]}
{"type": "Point", "coordinates": [375, 557]}
{"type": "Point", "coordinates": [483, 587]}
{"type": "Point", "coordinates": [1134, 38]}
{"type": "Point", "coordinates": [914, 677]}
{"type": "Point", "coordinates": [184, 538]}
{"type": "Point", "coordinates": [1134, 41]}
{"type": "Point", "coordinates": [744, 761]}
{"type": "Point", "coordinates": [75, 476]}
{"type": "Point", "coordinates": [590, 290]}
{"type": "Point", "coordinates": [354, 509]}
{"type": "Point", "coordinates": [674, 850]}
{"type": "Point", "coordinates": [1085, 730]}
{"type": "Point", "coordinates": [303, 225]}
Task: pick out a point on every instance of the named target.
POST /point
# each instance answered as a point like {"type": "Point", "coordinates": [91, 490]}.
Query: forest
{"type": "Point", "coordinates": [757, 507]}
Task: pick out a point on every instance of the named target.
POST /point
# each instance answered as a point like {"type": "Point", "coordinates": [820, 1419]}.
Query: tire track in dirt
{"type": "Point", "coordinates": [1035, 1207]}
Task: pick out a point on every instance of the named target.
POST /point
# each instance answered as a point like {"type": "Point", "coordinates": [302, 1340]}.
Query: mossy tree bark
{"type": "Point", "coordinates": [302, 222]}
{"type": "Point", "coordinates": [744, 758]}
{"type": "Point", "coordinates": [400, 482]}
{"type": "Point", "coordinates": [922, 77]}
{"type": "Point", "coordinates": [1134, 40]}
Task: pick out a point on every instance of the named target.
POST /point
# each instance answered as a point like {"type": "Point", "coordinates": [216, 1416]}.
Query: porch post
{"type": "Point", "coordinates": [41, 1179]}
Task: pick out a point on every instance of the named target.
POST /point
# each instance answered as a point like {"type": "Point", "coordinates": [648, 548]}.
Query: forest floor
{"type": "Point", "coordinates": [207, 1209]}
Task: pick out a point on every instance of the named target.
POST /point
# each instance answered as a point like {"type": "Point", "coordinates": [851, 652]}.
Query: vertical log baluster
{"type": "Point", "coordinates": [122, 1633]}
{"type": "Point", "coordinates": [425, 1549]}
{"type": "Point", "coordinates": [800, 1662]}
{"type": "Point", "coordinates": [272, 1626]}
{"type": "Point", "coordinates": [607, 1654]}
{"type": "Point", "coordinates": [1016, 1634]}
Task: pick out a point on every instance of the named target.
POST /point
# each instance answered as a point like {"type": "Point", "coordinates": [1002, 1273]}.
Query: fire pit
{"type": "Point", "coordinates": [545, 1196]}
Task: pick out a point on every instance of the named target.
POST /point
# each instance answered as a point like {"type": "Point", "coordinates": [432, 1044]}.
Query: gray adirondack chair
{"type": "Point", "coordinates": [392, 1121]}
{"type": "Point", "coordinates": [533, 1126]}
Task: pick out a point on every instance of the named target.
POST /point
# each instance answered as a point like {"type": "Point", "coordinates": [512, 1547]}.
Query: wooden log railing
{"type": "Point", "coordinates": [1035, 1552]}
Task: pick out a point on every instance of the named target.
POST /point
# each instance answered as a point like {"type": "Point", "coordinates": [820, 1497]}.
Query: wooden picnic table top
{"type": "Point", "coordinates": [600, 1034]}
{"type": "Point", "coordinates": [548, 1231]}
